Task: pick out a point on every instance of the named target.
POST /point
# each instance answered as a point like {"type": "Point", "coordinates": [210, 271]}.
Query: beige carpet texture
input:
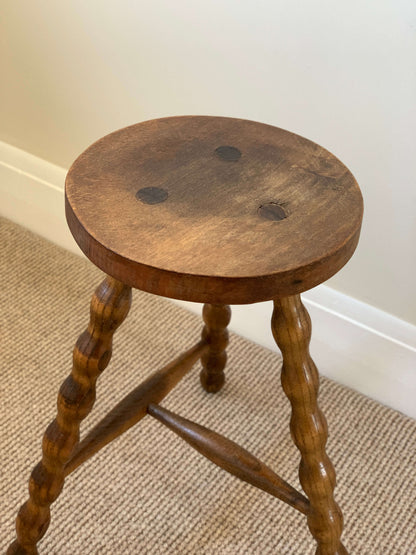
{"type": "Point", "coordinates": [149, 492]}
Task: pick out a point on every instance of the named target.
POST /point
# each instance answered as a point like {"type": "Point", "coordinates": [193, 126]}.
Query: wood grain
{"type": "Point", "coordinates": [291, 327]}
{"type": "Point", "coordinates": [215, 333]}
{"type": "Point", "coordinates": [200, 232]}
{"type": "Point", "coordinates": [134, 406]}
{"type": "Point", "coordinates": [231, 457]}
{"type": "Point", "coordinates": [109, 307]}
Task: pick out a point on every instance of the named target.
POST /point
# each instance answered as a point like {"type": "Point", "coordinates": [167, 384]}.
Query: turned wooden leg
{"type": "Point", "coordinates": [216, 318]}
{"type": "Point", "coordinates": [291, 326]}
{"type": "Point", "coordinates": [109, 306]}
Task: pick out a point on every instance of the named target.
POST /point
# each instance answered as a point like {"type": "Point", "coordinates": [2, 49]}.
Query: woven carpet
{"type": "Point", "coordinates": [149, 492]}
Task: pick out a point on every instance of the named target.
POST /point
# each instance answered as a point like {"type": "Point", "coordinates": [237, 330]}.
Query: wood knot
{"type": "Point", "coordinates": [228, 153]}
{"type": "Point", "coordinates": [152, 195]}
{"type": "Point", "coordinates": [272, 211]}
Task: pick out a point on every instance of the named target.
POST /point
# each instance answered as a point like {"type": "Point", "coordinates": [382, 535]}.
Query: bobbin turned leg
{"type": "Point", "coordinates": [216, 318]}
{"type": "Point", "coordinates": [291, 326]}
{"type": "Point", "coordinates": [109, 306]}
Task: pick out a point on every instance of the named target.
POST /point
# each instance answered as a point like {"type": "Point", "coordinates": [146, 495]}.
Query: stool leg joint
{"type": "Point", "coordinates": [133, 407]}
{"type": "Point", "coordinates": [230, 456]}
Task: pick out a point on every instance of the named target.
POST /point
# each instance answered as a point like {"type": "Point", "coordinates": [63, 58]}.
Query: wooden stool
{"type": "Point", "coordinates": [219, 211]}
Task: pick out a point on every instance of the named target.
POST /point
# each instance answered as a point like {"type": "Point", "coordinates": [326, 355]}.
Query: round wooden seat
{"type": "Point", "coordinates": [213, 210]}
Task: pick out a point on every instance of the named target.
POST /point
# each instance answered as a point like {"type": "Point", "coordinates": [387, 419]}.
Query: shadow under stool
{"type": "Point", "coordinates": [218, 211]}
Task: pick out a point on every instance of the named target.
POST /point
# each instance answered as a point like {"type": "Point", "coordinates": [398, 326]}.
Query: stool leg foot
{"type": "Point", "coordinates": [216, 318]}
{"type": "Point", "coordinates": [109, 306]}
{"type": "Point", "coordinates": [291, 328]}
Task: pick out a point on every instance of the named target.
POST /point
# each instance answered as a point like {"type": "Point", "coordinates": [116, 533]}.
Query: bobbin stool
{"type": "Point", "coordinates": [218, 211]}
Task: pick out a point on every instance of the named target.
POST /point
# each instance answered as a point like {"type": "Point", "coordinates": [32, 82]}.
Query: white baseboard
{"type": "Point", "coordinates": [32, 195]}
{"type": "Point", "coordinates": [353, 343]}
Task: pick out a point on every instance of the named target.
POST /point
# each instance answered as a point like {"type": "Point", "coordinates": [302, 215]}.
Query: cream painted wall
{"type": "Point", "coordinates": [340, 73]}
